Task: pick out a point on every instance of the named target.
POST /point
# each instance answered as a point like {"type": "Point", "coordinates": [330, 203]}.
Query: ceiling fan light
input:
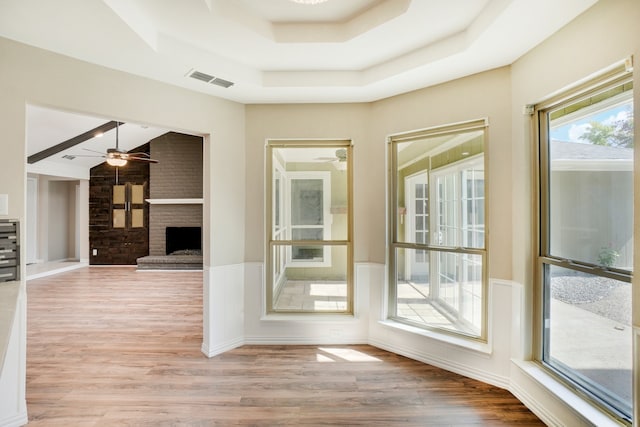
{"type": "Point", "coordinates": [115, 161]}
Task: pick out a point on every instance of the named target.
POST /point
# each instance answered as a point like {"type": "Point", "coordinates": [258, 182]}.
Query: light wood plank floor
{"type": "Point", "coordinates": [112, 347]}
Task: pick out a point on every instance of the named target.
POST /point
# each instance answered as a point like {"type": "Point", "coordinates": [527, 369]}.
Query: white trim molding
{"type": "Point", "coordinates": [174, 201]}
{"type": "Point", "coordinates": [543, 391]}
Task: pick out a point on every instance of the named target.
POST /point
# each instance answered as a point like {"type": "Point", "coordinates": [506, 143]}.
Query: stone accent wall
{"type": "Point", "coordinates": [178, 175]}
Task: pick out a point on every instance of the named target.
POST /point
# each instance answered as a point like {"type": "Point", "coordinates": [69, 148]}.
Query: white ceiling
{"type": "Point", "coordinates": [280, 51]}
{"type": "Point", "coordinates": [47, 128]}
{"type": "Point", "coordinates": [277, 51]}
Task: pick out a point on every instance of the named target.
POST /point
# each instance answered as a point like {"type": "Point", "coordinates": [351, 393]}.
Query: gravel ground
{"type": "Point", "coordinates": [605, 297]}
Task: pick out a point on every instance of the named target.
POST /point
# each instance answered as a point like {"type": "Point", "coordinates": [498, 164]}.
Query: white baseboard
{"type": "Point", "coordinates": [304, 341]}
{"type": "Point", "coordinates": [547, 389]}
{"type": "Point", "coordinates": [534, 406]}
{"type": "Point", "coordinates": [464, 370]}
{"type": "Point", "coordinates": [17, 420]}
{"type": "Point", "coordinates": [219, 349]}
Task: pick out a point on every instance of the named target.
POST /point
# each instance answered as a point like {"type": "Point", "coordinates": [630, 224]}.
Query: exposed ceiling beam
{"type": "Point", "coordinates": [72, 142]}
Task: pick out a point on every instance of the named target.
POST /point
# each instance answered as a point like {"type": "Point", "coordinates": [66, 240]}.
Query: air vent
{"type": "Point", "coordinates": [221, 82]}
{"type": "Point", "coordinates": [201, 76]}
{"type": "Point", "coordinates": [68, 157]}
{"type": "Point", "coordinates": [207, 78]}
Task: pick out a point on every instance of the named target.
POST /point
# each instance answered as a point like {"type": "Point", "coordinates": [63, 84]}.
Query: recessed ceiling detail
{"type": "Point", "coordinates": [313, 29]}
{"type": "Point", "coordinates": [280, 51]}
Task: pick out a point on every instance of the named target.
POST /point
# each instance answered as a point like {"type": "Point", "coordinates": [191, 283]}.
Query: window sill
{"type": "Point", "coordinates": [467, 343]}
{"type": "Point", "coordinates": [567, 396]}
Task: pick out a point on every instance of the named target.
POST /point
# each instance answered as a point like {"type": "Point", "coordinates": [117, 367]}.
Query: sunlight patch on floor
{"type": "Point", "coordinates": [344, 354]}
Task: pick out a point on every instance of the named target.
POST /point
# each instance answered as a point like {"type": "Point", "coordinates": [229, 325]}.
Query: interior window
{"type": "Point", "coordinates": [437, 244]}
{"type": "Point", "coordinates": [310, 198]}
{"type": "Point", "coordinates": [309, 246]}
{"type": "Point", "coordinates": [586, 240]}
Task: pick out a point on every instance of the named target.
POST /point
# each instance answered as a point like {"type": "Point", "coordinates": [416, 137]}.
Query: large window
{"type": "Point", "coordinates": [309, 251]}
{"type": "Point", "coordinates": [586, 239]}
{"type": "Point", "coordinates": [437, 258]}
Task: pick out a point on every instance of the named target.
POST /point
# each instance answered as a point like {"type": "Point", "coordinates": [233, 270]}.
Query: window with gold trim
{"type": "Point", "coordinates": [309, 227]}
{"type": "Point", "coordinates": [437, 232]}
{"type": "Point", "coordinates": [585, 240]}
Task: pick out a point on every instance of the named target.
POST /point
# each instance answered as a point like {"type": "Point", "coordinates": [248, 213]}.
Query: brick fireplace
{"type": "Point", "coordinates": [175, 187]}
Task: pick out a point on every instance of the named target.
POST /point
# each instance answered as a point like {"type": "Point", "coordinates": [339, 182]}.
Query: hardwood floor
{"type": "Point", "coordinates": [112, 347]}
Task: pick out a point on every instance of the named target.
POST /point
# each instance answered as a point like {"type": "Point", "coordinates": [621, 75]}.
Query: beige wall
{"type": "Point", "coordinates": [483, 95]}
{"type": "Point", "coordinates": [81, 87]}
{"type": "Point", "coordinates": [59, 210]}
{"type": "Point", "coordinates": [317, 121]}
{"type": "Point", "coordinates": [234, 175]}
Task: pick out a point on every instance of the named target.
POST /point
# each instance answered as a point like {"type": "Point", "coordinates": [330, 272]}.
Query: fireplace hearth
{"type": "Point", "coordinates": [183, 248]}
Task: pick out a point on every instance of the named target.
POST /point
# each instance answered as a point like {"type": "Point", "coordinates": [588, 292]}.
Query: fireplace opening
{"type": "Point", "coordinates": [184, 240]}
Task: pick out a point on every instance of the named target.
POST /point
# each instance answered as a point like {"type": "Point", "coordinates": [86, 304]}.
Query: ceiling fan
{"type": "Point", "coordinates": [117, 157]}
{"type": "Point", "coordinates": [339, 160]}
{"type": "Point", "coordinates": [341, 156]}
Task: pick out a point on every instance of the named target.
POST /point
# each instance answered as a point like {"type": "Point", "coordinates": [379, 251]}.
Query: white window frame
{"type": "Point", "coordinates": [457, 170]}
{"type": "Point", "coordinates": [410, 228]}
{"type": "Point", "coordinates": [326, 216]}
{"type": "Point", "coordinates": [279, 262]}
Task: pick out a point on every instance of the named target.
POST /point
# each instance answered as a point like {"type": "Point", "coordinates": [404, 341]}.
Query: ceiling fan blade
{"type": "Point", "coordinates": [116, 153]}
{"type": "Point", "coordinates": [141, 159]}
{"type": "Point", "coordinates": [93, 151]}
{"type": "Point", "coordinates": [88, 155]}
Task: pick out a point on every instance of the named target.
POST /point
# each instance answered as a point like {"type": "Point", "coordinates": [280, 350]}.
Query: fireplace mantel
{"type": "Point", "coordinates": [174, 201]}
